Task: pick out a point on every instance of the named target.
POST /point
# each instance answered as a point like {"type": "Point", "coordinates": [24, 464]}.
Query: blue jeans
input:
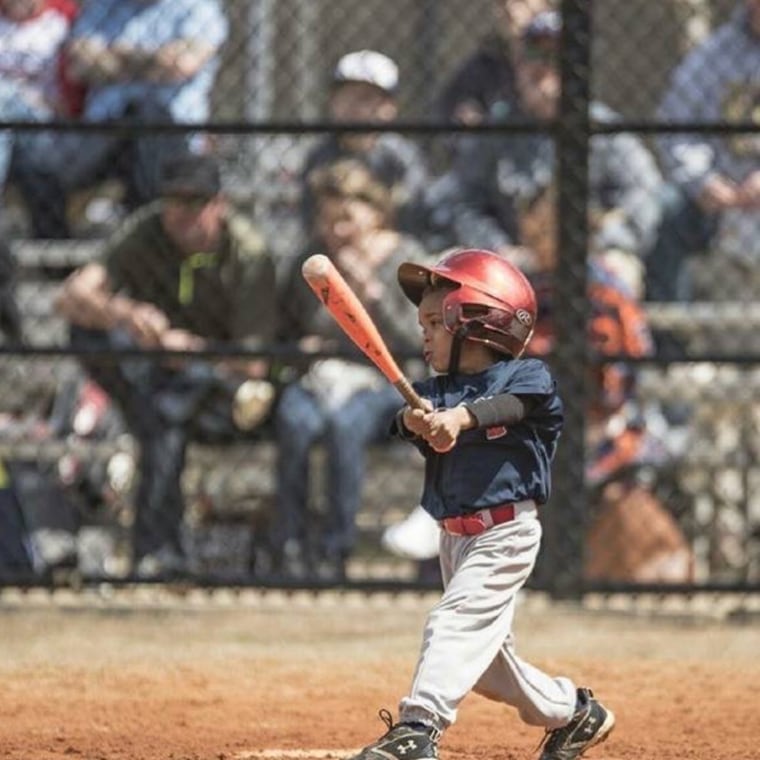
{"type": "Point", "coordinates": [685, 231]}
{"type": "Point", "coordinates": [301, 421]}
{"type": "Point", "coordinates": [164, 409]}
{"type": "Point", "coordinates": [13, 107]}
{"type": "Point", "coordinates": [54, 164]}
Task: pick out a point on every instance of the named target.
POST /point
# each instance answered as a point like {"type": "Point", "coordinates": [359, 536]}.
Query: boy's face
{"type": "Point", "coordinates": [358, 101]}
{"type": "Point", "coordinates": [436, 339]}
{"type": "Point", "coordinates": [343, 222]}
{"type": "Point", "coordinates": [361, 102]}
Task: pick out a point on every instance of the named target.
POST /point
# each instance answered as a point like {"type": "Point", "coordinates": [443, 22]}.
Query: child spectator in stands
{"type": "Point", "coordinates": [33, 82]}
{"type": "Point", "coordinates": [142, 61]}
{"type": "Point", "coordinates": [182, 274]}
{"type": "Point", "coordinates": [364, 87]}
{"type": "Point", "coordinates": [343, 403]}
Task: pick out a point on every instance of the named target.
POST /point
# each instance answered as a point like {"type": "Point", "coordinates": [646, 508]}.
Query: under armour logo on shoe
{"type": "Point", "coordinates": [402, 749]}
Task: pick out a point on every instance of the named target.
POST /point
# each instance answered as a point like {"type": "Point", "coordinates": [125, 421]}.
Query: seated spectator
{"type": "Point", "coordinates": [32, 84]}
{"type": "Point", "coordinates": [498, 183]}
{"type": "Point", "coordinates": [482, 87]}
{"type": "Point", "coordinates": [364, 91]}
{"type": "Point", "coordinates": [183, 274]}
{"type": "Point", "coordinates": [142, 61]}
{"type": "Point", "coordinates": [343, 403]}
{"type": "Point", "coordinates": [715, 178]}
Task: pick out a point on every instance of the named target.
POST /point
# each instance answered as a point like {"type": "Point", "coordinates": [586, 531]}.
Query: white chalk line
{"type": "Point", "coordinates": [299, 754]}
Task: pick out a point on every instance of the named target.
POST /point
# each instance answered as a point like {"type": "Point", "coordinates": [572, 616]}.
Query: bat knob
{"type": "Point", "coordinates": [315, 266]}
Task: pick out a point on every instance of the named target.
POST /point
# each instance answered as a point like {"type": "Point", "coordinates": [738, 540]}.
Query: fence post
{"type": "Point", "coordinates": [564, 526]}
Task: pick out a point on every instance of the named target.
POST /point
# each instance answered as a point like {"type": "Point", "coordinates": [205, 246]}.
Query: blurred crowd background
{"type": "Point", "coordinates": [175, 404]}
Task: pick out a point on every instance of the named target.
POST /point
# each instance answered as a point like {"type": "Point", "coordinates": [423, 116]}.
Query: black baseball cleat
{"type": "Point", "coordinates": [590, 725]}
{"type": "Point", "coordinates": [402, 741]}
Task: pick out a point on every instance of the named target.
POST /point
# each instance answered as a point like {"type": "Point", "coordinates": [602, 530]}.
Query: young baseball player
{"type": "Point", "coordinates": [488, 437]}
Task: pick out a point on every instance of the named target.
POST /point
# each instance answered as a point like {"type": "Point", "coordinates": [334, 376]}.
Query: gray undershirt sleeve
{"type": "Point", "coordinates": [504, 409]}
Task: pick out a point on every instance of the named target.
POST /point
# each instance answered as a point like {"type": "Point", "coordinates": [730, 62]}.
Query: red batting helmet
{"type": "Point", "coordinates": [488, 295]}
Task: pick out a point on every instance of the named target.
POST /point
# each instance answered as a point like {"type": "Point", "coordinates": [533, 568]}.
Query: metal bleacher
{"type": "Point", "coordinates": [227, 484]}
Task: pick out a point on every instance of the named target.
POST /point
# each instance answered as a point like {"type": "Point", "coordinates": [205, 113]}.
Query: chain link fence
{"type": "Point", "coordinates": [611, 151]}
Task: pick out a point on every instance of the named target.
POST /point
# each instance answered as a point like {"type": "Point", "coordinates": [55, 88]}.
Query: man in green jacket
{"type": "Point", "coordinates": [183, 274]}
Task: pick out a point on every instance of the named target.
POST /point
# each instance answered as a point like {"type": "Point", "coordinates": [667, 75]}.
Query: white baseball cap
{"type": "Point", "coordinates": [368, 66]}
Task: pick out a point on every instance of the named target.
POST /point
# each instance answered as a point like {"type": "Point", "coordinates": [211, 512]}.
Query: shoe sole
{"type": "Point", "coordinates": [602, 733]}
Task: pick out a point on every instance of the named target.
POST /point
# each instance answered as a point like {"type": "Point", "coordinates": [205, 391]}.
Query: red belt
{"type": "Point", "coordinates": [477, 522]}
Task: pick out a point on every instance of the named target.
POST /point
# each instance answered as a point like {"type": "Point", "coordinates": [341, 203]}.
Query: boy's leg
{"type": "Point", "coordinates": [464, 649]}
{"type": "Point", "coordinates": [464, 635]}
{"type": "Point", "coordinates": [511, 680]}
{"type": "Point", "coordinates": [543, 701]}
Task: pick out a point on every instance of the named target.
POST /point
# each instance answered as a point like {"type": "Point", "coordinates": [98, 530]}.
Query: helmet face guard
{"type": "Point", "coordinates": [487, 295]}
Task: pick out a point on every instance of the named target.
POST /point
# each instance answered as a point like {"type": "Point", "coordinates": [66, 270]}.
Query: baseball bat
{"type": "Point", "coordinates": [348, 311]}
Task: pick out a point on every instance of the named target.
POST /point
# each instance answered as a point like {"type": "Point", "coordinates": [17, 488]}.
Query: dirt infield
{"type": "Point", "coordinates": [302, 677]}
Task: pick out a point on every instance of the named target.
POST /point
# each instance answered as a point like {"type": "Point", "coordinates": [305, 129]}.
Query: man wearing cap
{"type": "Point", "coordinates": [184, 274]}
{"type": "Point", "coordinates": [503, 189]}
{"type": "Point", "coordinates": [482, 87]}
{"type": "Point", "coordinates": [364, 86]}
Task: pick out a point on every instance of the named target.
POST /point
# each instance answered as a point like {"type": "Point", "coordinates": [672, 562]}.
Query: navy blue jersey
{"type": "Point", "coordinates": [496, 465]}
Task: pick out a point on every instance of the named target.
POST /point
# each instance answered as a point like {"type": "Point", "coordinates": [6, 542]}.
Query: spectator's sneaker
{"type": "Point", "coordinates": [252, 403]}
{"type": "Point", "coordinates": [402, 741]}
{"type": "Point", "coordinates": [287, 564]}
{"type": "Point", "coordinates": [591, 725]}
{"type": "Point", "coordinates": [415, 537]}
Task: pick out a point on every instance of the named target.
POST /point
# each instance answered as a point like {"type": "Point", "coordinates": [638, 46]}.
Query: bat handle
{"type": "Point", "coordinates": [404, 387]}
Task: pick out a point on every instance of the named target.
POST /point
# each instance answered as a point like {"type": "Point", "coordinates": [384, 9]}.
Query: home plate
{"type": "Point", "coordinates": [296, 754]}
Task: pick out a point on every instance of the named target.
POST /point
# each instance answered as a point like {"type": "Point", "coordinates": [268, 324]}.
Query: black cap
{"type": "Point", "coordinates": [191, 175]}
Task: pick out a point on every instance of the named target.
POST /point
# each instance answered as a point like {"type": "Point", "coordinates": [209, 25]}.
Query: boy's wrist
{"type": "Point", "coordinates": [465, 418]}
{"type": "Point", "coordinates": [403, 429]}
